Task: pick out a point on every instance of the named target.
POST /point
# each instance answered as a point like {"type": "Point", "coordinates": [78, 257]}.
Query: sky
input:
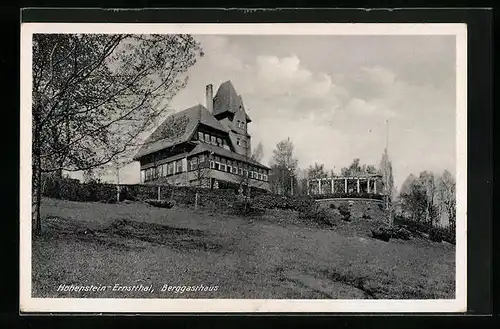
{"type": "Point", "coordinates": [332, 96]}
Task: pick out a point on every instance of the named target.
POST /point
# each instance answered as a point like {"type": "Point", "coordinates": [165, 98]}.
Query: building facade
{"type": "Point", "coordinates": [205, 146]}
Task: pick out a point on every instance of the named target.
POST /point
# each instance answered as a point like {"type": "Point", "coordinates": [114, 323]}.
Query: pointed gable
{"type": "Point", "coordinates": [226, 100]}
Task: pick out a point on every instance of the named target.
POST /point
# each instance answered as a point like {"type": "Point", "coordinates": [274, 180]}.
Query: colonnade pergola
{"type": "Point", "coordinates": [370, 184]}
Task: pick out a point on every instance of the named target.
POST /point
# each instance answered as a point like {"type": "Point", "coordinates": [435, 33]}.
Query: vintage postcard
{"type": "Point", "coordinates": [243, 168]}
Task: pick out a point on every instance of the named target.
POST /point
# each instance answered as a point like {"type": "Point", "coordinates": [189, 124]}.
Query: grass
{"type": "Point", "coordinates": [131, 244]}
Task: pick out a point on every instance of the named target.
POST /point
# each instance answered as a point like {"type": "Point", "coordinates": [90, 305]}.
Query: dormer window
{"type": "Point", "coordinates": [238, 141]}
{"type": "Point", "coordinates": [200, 136]}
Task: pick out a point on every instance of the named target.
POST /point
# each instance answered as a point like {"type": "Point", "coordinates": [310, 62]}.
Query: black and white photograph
{"type": "Point", "coordinates": [243, 167]}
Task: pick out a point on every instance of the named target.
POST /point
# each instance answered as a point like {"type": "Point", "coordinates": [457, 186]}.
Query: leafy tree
{"type": "Point", "coordinates": [370, 169]}
{"type": "Point", "coordinates": [317, 171]}
{"type": "Point", "coordinates": [283, 166]}
{"type": "Point", "coordinates": [413, 198]}
{"type": "Point", "coordinates": [94, 94]}
{"type": "Point", "coordinates": [353, 169]}
{"type": "Point", "coordinates": [419, 198]}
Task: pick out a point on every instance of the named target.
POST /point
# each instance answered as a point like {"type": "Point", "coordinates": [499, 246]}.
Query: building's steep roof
{"type": "Point", "coordinates": [178, 128]}
{"type": "Point", "coordinates": [227, 100]}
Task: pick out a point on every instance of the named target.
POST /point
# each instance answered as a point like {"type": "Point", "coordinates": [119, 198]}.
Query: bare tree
{"type": "Point", "coordinates": [88, 175]}
{"type": "Point", "coordinates": [94, 94]}
{"type": "Point", "coordinates": [446, 191]}
{"type": "Point", "coordinates": [202, 175]}
{"type": "Point", "coordinates": [258, 152]}
{"type": "Point", "coordinates": [428, 181]}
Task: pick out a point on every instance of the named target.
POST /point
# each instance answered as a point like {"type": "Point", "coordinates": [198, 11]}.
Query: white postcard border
{"type": "Point", "coordinates": [77, 305]}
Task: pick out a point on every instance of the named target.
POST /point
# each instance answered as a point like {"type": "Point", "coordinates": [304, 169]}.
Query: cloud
{"type": "Point", "coordinates": [361, 107]}
{"type": "Point", "coordinates": [332, 103]}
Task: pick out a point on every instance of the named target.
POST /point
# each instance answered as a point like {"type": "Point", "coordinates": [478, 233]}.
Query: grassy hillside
{"type": "Point", "coordinates": [272, 256]}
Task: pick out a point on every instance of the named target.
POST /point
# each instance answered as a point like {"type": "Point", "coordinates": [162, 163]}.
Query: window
{"type": "Point", "coordinates": [159, 171]}
{"type": "Point", "coordinates": [217, 165]}
{"type": "Point", "coordinates": [219, 141]}
{"type": "Point", "coordinates": [165, 169]}
{"type": "Point", "coordinates": [229, 168]}
{"type": "Point", "coordinates": [207, 138]}
{"type": "Point", "coordinates": [246, 173]}
{"type": "Point", "coordinates": [239, 123]}
{"type": "Point", "coordinates": [240, 170]}
{"type": "Point", "coordinates": [213, 140]}
{"type": "Point", "coordinates": [179, 166]}
{"type": "Point", "coordinates": [148, 174]}
{"type": "Point", "coordinates": [217, 159]}
{"type": "Point", "coordinates": [143, 176]}
{"type": "Point", "coordinates": [234, 170]}
{"type": "Point", "coordinates": [202, 158]}
{"type": "Point", "coordinates": [170, 168]}
{"type": "Point", "coordinates": [212, 164]}
{"type": "Point", "coordinates": [223, 167]}
{"type": "Point", "coordinates": [193, 164]}
{"type": "Point", "coordinates": [200, 136]}
{"type": "Point", "coordinates": [238, 141]}
{"type": "Point", "coordinates": [260, 177]}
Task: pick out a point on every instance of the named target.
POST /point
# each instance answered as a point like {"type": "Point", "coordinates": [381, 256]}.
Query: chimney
{"type": "Point", "coordinates": [209, 98]}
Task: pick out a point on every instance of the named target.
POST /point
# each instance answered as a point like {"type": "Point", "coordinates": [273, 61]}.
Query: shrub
{"type": "Point", "coordinates": [366, 216]}
{"type": "Point", "coordinates": [302, 203]}
{"type": "Point", "coordinates": [399, 232]}
{"type": "Point", "coordinates": [354, 195]}
{"type": "Point", "coordinates": [247, 207]}
{"type": "Point", "coordinates": [382, 233]}
{"type": "Point", "coordinates": [318, 215]}
{"type": "Point", "coordinates": [345, 211]}
{"type": "Point", "coordinates": [161, 203]}
{"type": "Point", "coordinates": [332, 206]}
{"type": "Point", "coordinates": [435, 235]}
{"type": "Point", "coordinates": [273, 201]}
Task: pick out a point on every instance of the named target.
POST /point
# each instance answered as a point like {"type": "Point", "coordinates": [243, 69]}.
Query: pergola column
{"type": "Point", "coordinates": [375, 186]}
{"type": "Point", "coordinates": [368, 185]}
{"type": "Point", "coordinates": [319, 186]}
{"type": "Point", "coordinates": [357, 185]}
{"type": "Point", "coordinates": [333, 186]}
{"type": "Point", "coordinates": [308, 187]}
{"type": "Point", "coordinates": [345, 185]}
